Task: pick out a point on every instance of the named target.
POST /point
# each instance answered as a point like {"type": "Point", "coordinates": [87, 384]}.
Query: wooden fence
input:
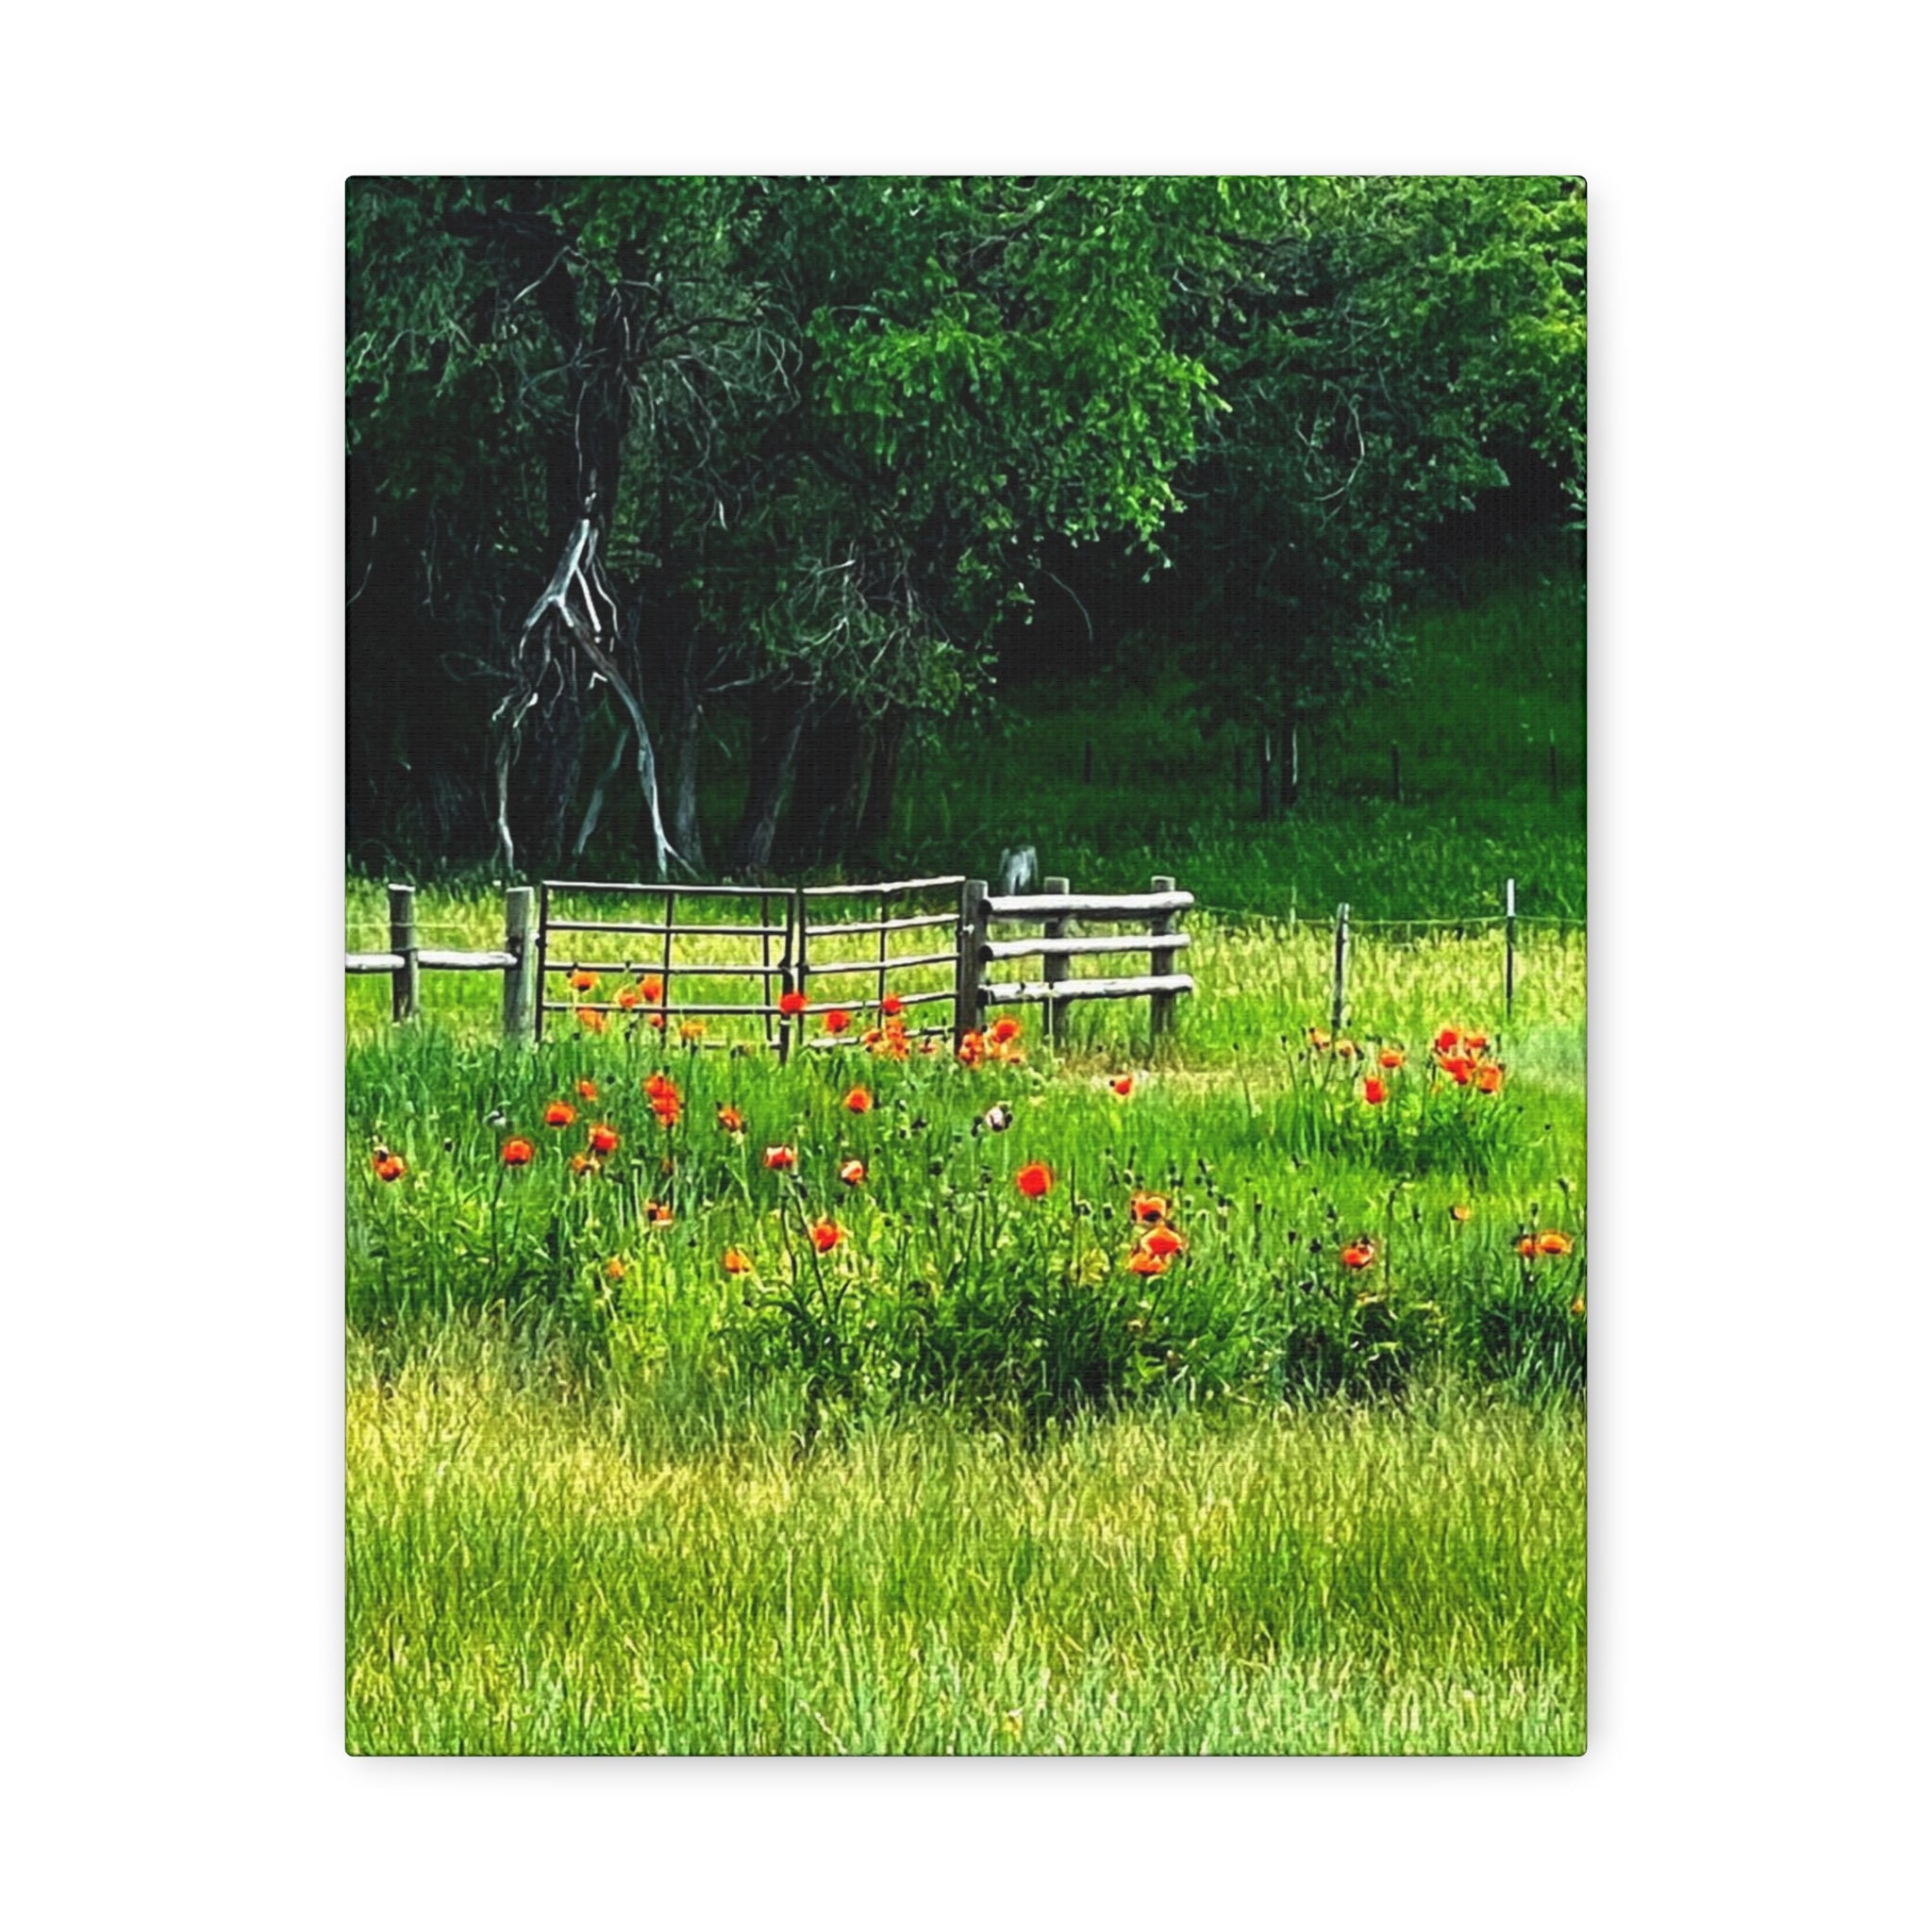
{"type": "Point", "coordinates": [1056, 911]}
{"type": "Point", "coordinates": [406, 961]}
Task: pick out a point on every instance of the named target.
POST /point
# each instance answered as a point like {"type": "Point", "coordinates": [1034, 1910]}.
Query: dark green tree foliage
{"type": "Point", "coordinates": [824, 432]}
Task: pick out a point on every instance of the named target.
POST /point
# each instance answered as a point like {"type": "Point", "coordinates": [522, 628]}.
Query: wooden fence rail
{"type": "Point", "coordinates": [1056, 909]}
{"type": "Point", "coordinates": [406, 960]}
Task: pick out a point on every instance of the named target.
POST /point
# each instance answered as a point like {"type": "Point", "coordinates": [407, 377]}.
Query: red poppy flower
{"type": "Point", "coordinates": [602, 1139]}
{"type": "Point", "coordinates": [518, 1153]}
{"type": "Point", "coordinates": [1034, 1179]}
{"type": "Point", "coordinates": [1391, 1057]}
{"type": "Point", "coordinates": [1551, 1242]}
{"type": "Point", "coordinates": [780, 1157]}
{"type": "Point", "coordinates": [560, 1113]}
{"type": "Point", "coordinates": [1123, 1086]}
{"type": "Point", "coordinates": [737, 1262]}
{"type": "Point", "coordinates": [853, 1174]}
{"type": "Point", "coordinates": [390, 1168]}
{"type": "Point", "coordinates": [587, 1090]}
{"type": "Point", "coordinates": [837, 1021]}
{"type": "Point", "coordinates": [626, 997]}
{"type": "Point", "coordinates": [1475, 1042]}
{"type": "Point", "coordinates": [731, 1120]}
{"type": "Point", "coordinates": [792, 1004]}
{"type": "Point", "coordinates": [1004, 1031]}
{"type": "Point", "coordinates": [858, 1101]}
{"type": "Point", "coordinates": [892, 1006]}
{"type": "Point", "coordinates": [826, 1235]}
{"type": "Point", "coordinates": [657, 1215]}
{"type": "Point", "coordinates": [669, 1108]}
{"type": "Point", "coordinates": [588, 1018]}
{"type": "Point", "coordinates": [582, 981]}
{"type": "Point", "coordinates": [1149, 1208]}
{"type": "Point", "coordinates": [1143, 1262]}
{"type": "Point", "coordinates": [1489, 1078]}
{"type": "Point", "coordinates": [659, 1083]}
{"type": "Point", "coordinates": [1458, 1068]}
{"type": "Point", "coordinates": [1357, 1254]}
{"type": "Point", "coordinates": [653, 989]}
{"type": "Point", "coordinates": [1162, 1240]}
{"type": "Point", "coordinates": [972, 1049]}
{"type": "Point", "coordinates": [1373, 1091]}
{"type": "Point", "coordinates": [1445, 1041]}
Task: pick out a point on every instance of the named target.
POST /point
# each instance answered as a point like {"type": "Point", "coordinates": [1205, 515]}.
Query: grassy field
{"type": "Point", "coordinates": [535, 1565]}
{"type": "Point", "coordinates": [1313, 1484]}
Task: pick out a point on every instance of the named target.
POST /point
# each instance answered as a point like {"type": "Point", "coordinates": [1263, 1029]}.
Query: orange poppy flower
{"type": "Point", "coordinates": [587, 1090]}
{"type": "Point", "coordinates": [1004, 1031]}
{"type": "Point", "coordinates": [973, 1049]}
{"type": "Point", "coordinates": [1149, 1208]}
{"type": "Point", "coordinates": [656, 1021]}
{"type": "Point", "coordinates": [602, 1139]}
{"type": "Point", "coordinates": [1475, 1042]}
{"type": "Point", "coordinates": [1123, 1086]}
{"type": "Point", "coordinates": [1458, 1212]}
{"type": "Point", "coordinates": [1317, 1037]}
{"type": "Point", "coordinates": [826, 1235]}
{"type": "Point", "coordinates": [626, 997]}
{"type": "Point", "coordinates": [1142, 1262]}
{"type": "Point", "coordinates": [614, 1268]}
{"type": "Point", "coordinates": [653, 989]}
{"type": "Point", "coordinates": [1391, 1057]}
{"type": "Point", "coordinates": [1034, 1179]}
{"type": "Point", "coordinates": [858, 1101]}
{"type": "Point", "coordinates": [669, 1108]}
{"type": "Point", "coordinates": [792, 1004]}
{"type": "Point", "coordinates": [1358, 1253]}
{"type": "Point", "coordinates": [1527, 1247]}
{"type": "Point", "coordinates": [582, 981]}
{"type": "Point", "coordinates": [582, 1163]}
{"type": "Point", "coordinates": [1373, 1091]}
{"type": "Point", "coordinates": [390, 1168]}
{"type": "Point", "coordinates": [853, 1174]}
{"type": "Point", "coordinates": [518, 1153]}
{"type": "Point", "coordinates": [1489, 1078]}
{"type": "Point", "coordinates": [780, 1158]}
{"type": "Point", "coordinates": [837, 1021]}
{"type": "Point", "coordinates": [560, 1113]}
{"type": "Point", "coordinates": [731, 1120]}
{"type": "Point", "coordinates": [1162, 1240]}
{"type": "Point", "coordinates": [892, 1006]}
{"type": "Point", "coordinates": [588, 1018]}
{"type": "Point", "coordinates": [737, 1262]}
{"type": "Point", "coordinates": [657, 1215]}
{"type": "Point", "coordinates": [1445, 1041]}
{"type": "Point", "coordinates": [1459, 1069]}
{"type": "Point", "coordinates": [1551, 1242]}
{"type": "Point", "coordinates": [659, 1083]}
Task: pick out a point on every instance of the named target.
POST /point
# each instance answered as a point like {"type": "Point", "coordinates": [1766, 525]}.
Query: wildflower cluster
{"type": "Point", "coordinates": [999, 1045]}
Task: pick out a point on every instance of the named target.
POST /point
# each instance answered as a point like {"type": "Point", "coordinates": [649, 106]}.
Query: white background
{"type": "Point", "coordinates": [171, 1279]}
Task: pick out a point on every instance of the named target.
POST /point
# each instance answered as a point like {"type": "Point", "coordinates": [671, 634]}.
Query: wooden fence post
{"type": "Point", "coordinates": [973, 928]}
{"type": "Point", "coordinates": [1053, 969]}
{"type": "Point", "coordinates": [519, 979]}
{"type": "Point", "coordinates": [402, 940]}
{"type": "Point", "coordinates": [1508, 948]}
{"type": "Point", "coordinates": [1339, 1010]}
{"type": "Point", "coordinates": [1161, 1005]}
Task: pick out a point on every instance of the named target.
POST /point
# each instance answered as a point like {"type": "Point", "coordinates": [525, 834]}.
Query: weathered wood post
{"type": "Point", "coordinates": [1054, 967]}
{"type": "Point", "coordinates": [520, 976]}
{"type": "Point", "coordinates": [1508, 948]}
{"type": "Point", "coordinates": [1339, 1010]}
{"type": "Point", "coordinates": [402, 941]}
{"type": "Point", "coordinates": [1161, 1005]}
{"type": "Point", "coordinates": [966, 985]}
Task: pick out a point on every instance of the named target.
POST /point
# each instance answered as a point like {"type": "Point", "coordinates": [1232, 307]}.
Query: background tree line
{"type": "Point", "coordinates": [801, 458]}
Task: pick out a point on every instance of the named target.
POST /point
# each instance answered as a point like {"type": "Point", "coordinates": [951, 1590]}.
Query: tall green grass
{"type": "Point", "coordinates": [535, 1564]}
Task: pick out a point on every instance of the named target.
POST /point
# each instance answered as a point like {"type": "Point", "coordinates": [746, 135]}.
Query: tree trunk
{"type": "Point", "coordinates": [816, 829]}
{"type": "Point", "coordinates": [777, 717]}
{"type": "Point", "coordinates": [686, 721]}
{"type": "Point", "coordinates": [876, 820]}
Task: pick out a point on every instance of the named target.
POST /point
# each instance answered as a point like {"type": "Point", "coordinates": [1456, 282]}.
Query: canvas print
{"type": "Point", "coordinates": [965, 965]}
